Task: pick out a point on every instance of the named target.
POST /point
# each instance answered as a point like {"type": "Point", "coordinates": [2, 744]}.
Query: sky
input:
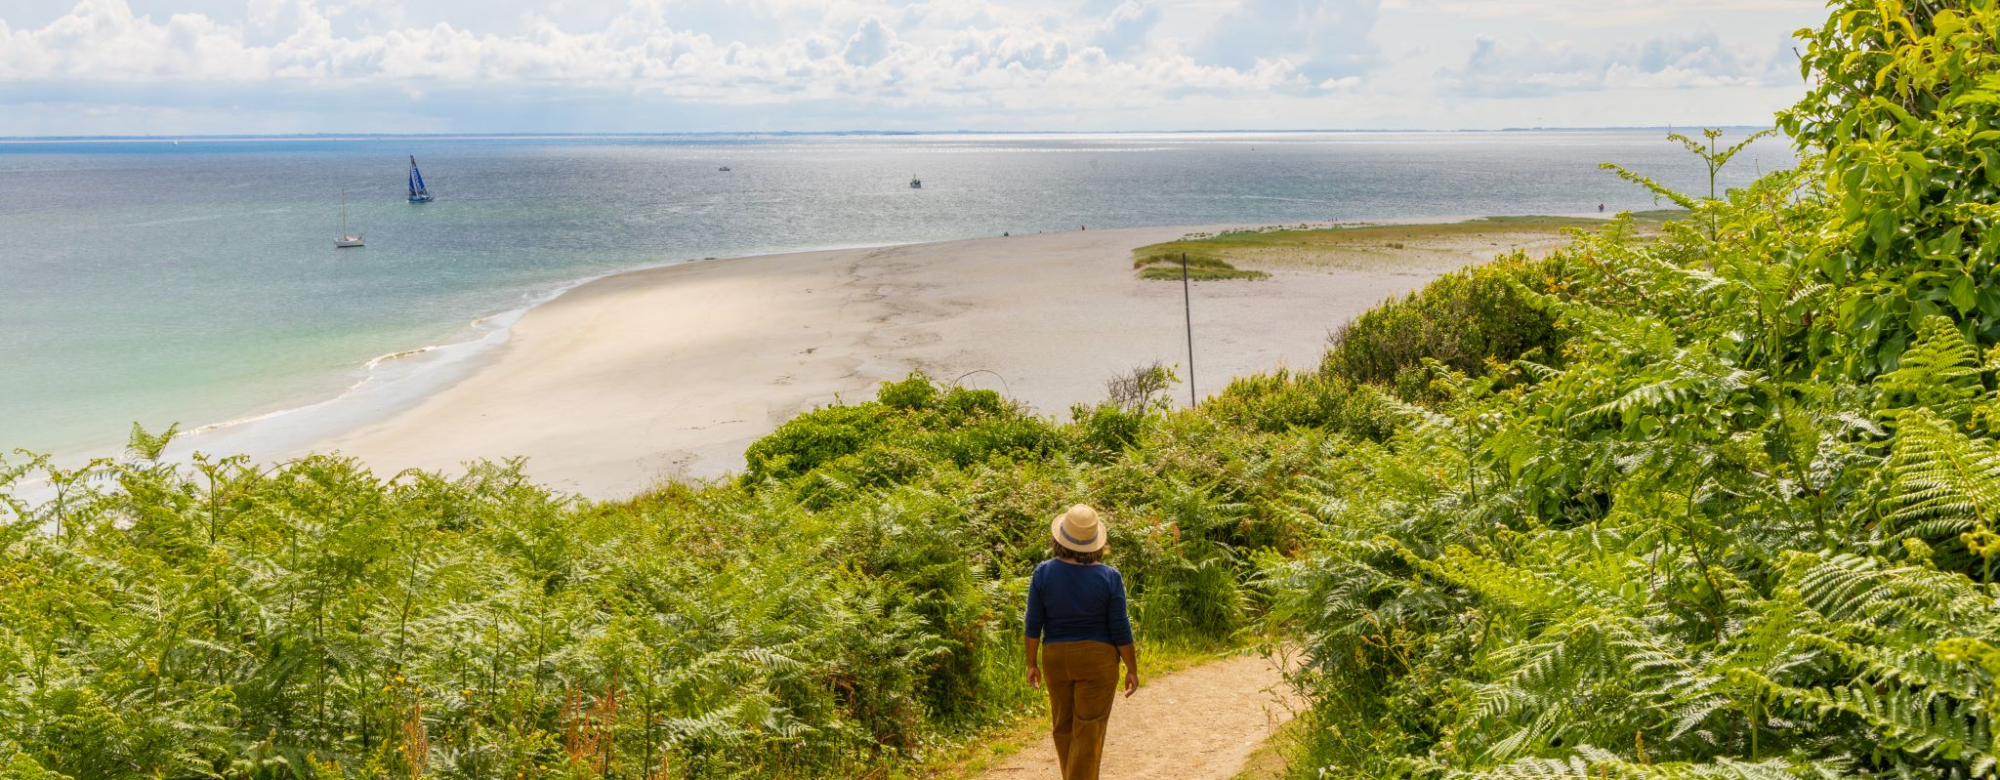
{"type": "Point", "coordinates": [168, 67]}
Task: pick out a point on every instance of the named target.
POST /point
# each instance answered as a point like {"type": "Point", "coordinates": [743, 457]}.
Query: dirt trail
{"type": "Point", "coordinates": [1196, 724]}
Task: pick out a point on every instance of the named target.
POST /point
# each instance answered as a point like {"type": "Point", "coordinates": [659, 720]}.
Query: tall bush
{"type": "Point", "coordinates": [1903, 117]}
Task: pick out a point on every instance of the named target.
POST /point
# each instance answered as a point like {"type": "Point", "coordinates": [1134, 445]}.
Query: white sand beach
{"type": "Point", "coordinates": [670, 373]}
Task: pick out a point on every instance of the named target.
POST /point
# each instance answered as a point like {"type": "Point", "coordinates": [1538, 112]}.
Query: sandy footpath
{"type": "Point", "coordinates": [1197, 724]}
{"type": "Point", "coordinates": [671, 372]}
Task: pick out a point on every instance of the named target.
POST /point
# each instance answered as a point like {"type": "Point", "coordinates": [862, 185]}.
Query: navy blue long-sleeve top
{"type": "Point", "coordinates": [1070, 602]}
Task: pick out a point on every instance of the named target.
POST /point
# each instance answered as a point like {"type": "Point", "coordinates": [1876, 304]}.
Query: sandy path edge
{"type": "Point", "coordinates": [1200, 723]}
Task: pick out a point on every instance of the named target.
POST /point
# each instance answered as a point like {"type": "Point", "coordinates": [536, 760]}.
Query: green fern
{"type": "Point", "coordinates": [149, 447]}
{"type": "Point", "coordinates": [1942, 486]}
{"type": "Point", "coordinates": [1941, 371]}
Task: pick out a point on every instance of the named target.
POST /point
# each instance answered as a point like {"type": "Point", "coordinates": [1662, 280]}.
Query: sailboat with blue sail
{"type": "Point", "coordinates": [418, 192]}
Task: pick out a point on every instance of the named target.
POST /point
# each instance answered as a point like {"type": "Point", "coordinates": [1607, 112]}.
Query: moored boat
{"type": "Point", "coordinates": [344, 239]}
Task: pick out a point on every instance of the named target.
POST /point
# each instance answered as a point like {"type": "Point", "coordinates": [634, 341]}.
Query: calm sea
{"type": "Point", "coordinates": [154, 282]}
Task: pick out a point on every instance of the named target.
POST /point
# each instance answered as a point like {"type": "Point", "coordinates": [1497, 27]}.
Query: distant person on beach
{"type": "Point", "coordinates": [1600, 208]}
{"type": "Point", "coordinates": [1077, 634]}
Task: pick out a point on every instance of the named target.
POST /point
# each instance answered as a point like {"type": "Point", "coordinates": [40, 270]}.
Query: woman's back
{"type": "Point", "coordinates": [1077, 633]}
{"type": "Point", "coordinates": [1069, 602]}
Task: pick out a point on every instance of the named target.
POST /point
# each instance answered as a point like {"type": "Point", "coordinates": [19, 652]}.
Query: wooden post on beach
{"type": "Point", "coordinates": [1187, 305]}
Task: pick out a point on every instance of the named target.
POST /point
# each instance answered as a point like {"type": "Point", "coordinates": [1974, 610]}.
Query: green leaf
{"type": "Point", "coordinates": [1964, 295]}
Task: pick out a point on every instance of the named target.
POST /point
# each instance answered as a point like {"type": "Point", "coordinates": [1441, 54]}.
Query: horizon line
{"type": "Point", "coordinates": [809, 133]}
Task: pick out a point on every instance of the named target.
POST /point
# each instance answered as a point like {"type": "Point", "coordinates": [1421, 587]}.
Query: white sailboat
{"type": "Point", "coordinates": [345, 240]}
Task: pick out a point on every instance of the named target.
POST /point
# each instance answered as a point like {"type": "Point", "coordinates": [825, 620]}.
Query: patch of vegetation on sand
{"type": "Point", "coordinates": [1440, 246]}
{"type": "Point", "coordinates": [1201, 267]}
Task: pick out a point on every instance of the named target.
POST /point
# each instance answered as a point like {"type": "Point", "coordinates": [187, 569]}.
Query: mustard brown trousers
{"type": "Point", "coordinates": [1082, 678]}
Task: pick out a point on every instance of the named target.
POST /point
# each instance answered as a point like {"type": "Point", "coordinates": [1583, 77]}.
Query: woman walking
{"type": "Point", "coordinates": [1077, 633]}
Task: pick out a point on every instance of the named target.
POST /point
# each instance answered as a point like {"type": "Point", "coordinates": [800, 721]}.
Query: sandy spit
{"type": "Point", "coordinates": [669, 373]}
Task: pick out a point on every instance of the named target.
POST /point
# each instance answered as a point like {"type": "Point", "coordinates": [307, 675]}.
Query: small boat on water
{"type": "Point", "coordinates": [724, 169]}
{"type": "Point", "coordinates": [345, 240]}
{"type": "Point", "coordinates": [418, 192]}
{"type": "Point", "coordinates": [916, 183]}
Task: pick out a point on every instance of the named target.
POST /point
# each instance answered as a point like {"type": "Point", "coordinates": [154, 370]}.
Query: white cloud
{"type": "Point", "coordinates": [102, 40]}
{"type": "Point", "coordinates": [1325, 38]}
{"type": "Point", "coordinates": [870, 44]}
{"type": "Point", "coordinates": [830, 64]}
{"type": "Point", "coordinates": [1531, 67]}
{"type": "Point", "coordinates": [1127, 27]}
{"type": "Point", "coordinates": [1606, 13]}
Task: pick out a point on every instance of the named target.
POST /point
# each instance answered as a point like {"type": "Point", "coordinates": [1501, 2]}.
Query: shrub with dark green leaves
{"type": "Point", "coordinates": [912, 416]}
{"type": "Point", "coordinates": [915, 393]}
{"type": "Point", "coordinates": [1106, 430]}
{"type": "Point", "coordinates": [1281, 401]}
{"type": "Point", "coordinates": [1903, 118]}
{"type": "Point", "coordinates": [1462, 319]}
{"type": "Point", "coordinates": [805, 442]}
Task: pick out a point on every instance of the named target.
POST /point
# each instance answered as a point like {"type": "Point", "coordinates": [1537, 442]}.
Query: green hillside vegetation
{"type": "Point", "coordinates": [1708, 500]}
{"type": "Point", "coordinates": [850, 604]}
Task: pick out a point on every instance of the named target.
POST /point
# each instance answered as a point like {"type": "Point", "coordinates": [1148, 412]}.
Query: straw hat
{"type": "Point", "coordinates": [1079, 530]}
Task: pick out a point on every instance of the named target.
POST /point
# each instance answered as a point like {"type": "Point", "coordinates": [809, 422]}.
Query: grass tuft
{"type": "Point", "coordinates": [1201, 267]}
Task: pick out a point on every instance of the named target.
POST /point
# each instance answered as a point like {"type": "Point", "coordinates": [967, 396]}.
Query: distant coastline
{"type": "Point", "coordinates": [200, 137]}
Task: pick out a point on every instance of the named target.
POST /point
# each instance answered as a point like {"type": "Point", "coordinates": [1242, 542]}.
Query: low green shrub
{"type": "Point", "coordinates": [1463, 319]}
{"type": "Point", "coordinates": [820, 436]}
{"type": "Point", "coordinates": [1282, 400]}
{"type": "Point", "coordinates": [1009, 436]}
{"type": "Point", "coordinates": [1105, 430]}
{"type": "Point", "coordinates": [915, 393]}
{"type": "Point", "coordinates": [915, 415]}
{"type": "Point", "coordinates": [960, 403]}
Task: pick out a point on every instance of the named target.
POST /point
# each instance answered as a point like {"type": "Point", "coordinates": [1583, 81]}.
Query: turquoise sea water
{"type": "Point", "coordinates": [198, 282]}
